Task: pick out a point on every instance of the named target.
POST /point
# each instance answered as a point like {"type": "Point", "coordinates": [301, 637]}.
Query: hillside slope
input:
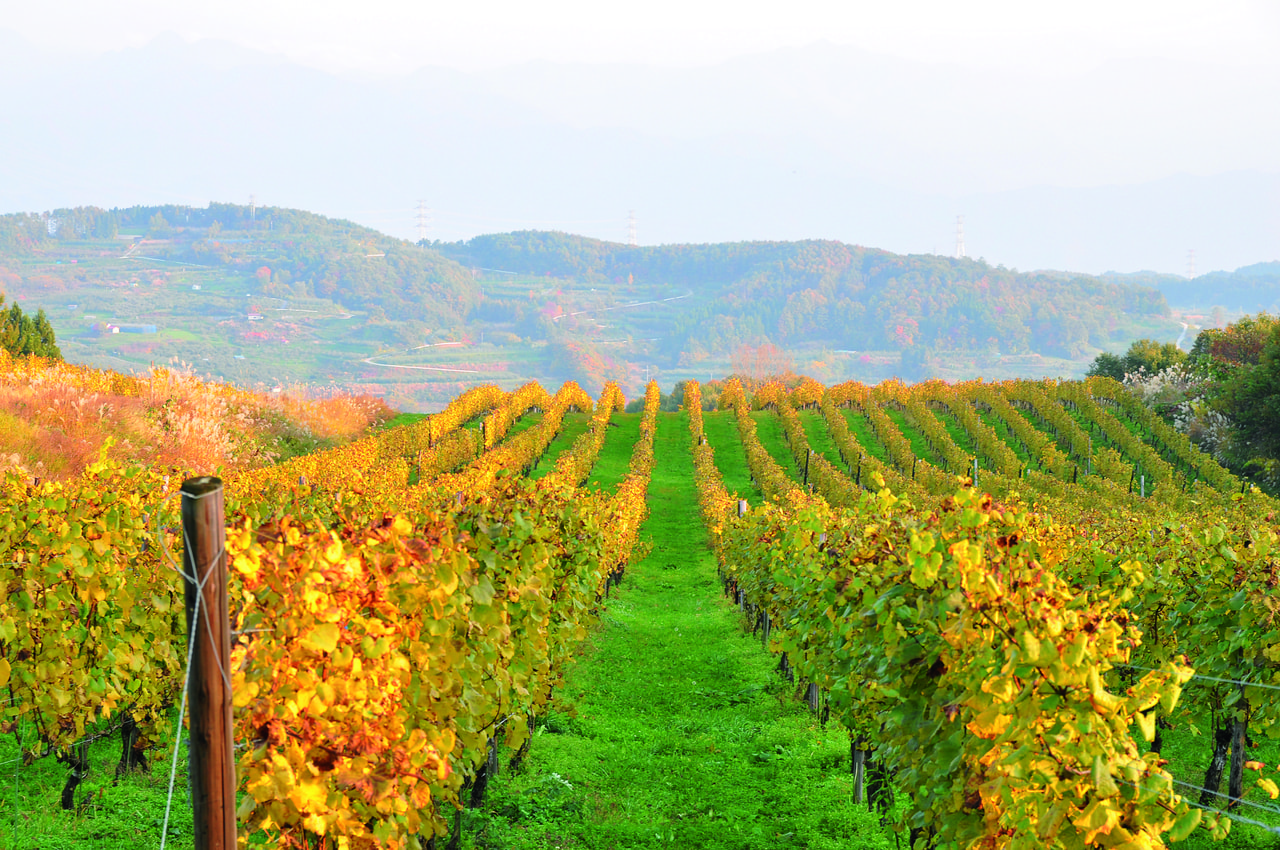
{"type": "Point", "coordinates": [274, 296]}
{"type": "Point", "coordinates": [840, 296]}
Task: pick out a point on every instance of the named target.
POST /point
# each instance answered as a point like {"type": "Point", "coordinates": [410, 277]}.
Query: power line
{"type": "Point", "coordinates": [424, 220]}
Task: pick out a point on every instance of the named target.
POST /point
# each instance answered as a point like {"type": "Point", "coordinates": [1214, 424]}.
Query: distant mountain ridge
{"type": "Point", "coordinates": [1249, 289]}
{"type": "Point", "coordinates": [843, 296]}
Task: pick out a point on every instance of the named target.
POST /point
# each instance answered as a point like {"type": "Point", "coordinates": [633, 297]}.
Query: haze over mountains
{"type": "Point", "coordinates": [1113, 168]}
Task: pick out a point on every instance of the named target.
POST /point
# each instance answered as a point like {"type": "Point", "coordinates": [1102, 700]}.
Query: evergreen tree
{"type": "Point", "coordinates": [21, 334]}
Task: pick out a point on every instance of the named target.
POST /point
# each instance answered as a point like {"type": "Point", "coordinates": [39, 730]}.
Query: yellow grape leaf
{"type": "Point", "coordinates": [989, 724]}
{"type": "Point", "coordinates": [310, 796]}
{"type": "Point", "coordinates": [1099, 817]}
{"type": "Point", "coordinates": [333, 552]}
{"type": "Point", "coordinates": [246, 566]}
{"type": "Point", "coordinates": [282, 777]}
{"type": "Point", "coordinates": [517, 734]}
{"type": "Point", "coordinates": [1185, 824]}
{"type": "Point", "coordinates": [1074, 653]}
{"type": "Point", "coordinates": [1141, 841]}
{"type": "Point", "coordinates": [1102, 778]}
{"type": "Point", "coordinates": [448, 579]}
{"type": "Point", "coordinates": [243, 696]}
{"type": "Point", "coordinates": [4, 672]}
{"type": "Point", "coordinates": [1147, 725]}
{"type": "Point", "coordinates": [1249, 765]}
{"type": "Point", "coordinates": [1270, 787]}
{"type": "Point", "coordinates": [420, 795]}
{"type": "Point", "coordinates": [323, 638]}
{"type": "Point", "coordinates": [1030, 646]}
{"type": "Point", "coordinates": [1051, 820]}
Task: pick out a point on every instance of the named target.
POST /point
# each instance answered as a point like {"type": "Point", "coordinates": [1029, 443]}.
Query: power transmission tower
{"type": "Point", "coordinates": [253, 208]}
{"type": "Point", "coordinates": [960, 253]}
{"type": "Point", "coordinates": [424, 221]}
{"type": "Point", "coordinates": [631, 229]}
{"type": "Point", "coordinates": [1191, 263]}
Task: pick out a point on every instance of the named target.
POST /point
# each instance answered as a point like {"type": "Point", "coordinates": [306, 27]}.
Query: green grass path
{"type": "Point", "coordinates": [819, 435]}
{"type": "Point", "coordinates": [860, 428]}
{"type": "Point", "coordinates": [721, 428]}
{"type": "Point", "coordinates": [614, 461]}
{"type": "Point", "coordinates": [774, 439]}
{"type": "Point", "coordinates": [672, 730]}
{"type": "Point", "coordinates": [572, 426]}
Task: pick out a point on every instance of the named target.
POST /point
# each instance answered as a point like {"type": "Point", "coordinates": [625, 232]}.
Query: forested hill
{"type": "Point", "coordinates": [1248, 289]}
{"type": "Point", "coordinates": [844, 296]}
{"type": "Point", "coordinates": [292, 253]}
{"type": "Point", "coordinates": [270, 295]}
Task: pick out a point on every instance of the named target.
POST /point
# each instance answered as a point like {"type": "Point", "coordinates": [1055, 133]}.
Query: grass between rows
{"type": "Point", "coordinates": [109, 814]}
{"type": "Point", "coordinates": [774, 439]}
{"type": "Point", "coordinates": [571, 427]}
{"type": "Point", "coordinates": [614, 461]}
{"type": "Point", "coordinates": [673, 730]}
{"type": "Point", "coordinates": [919, 446]}
{"type": "Point", "coordinates": [861, 431]}
{"type": "Point", "coordinates": [818, 435]}
{"type": "Point", "coordinates": [721, 428]}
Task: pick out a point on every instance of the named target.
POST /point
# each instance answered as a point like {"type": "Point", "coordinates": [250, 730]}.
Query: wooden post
{"type": "Point", "coordinates": [858, 757]}
{"type": "Point", "coordinates": [213, 780]}
{"type": "Point", "coordinates": [742, 507]}
{"type": "Point", "coordinates": [1235, 778]}
{"type": "Point", "coordinates": [808, 457]}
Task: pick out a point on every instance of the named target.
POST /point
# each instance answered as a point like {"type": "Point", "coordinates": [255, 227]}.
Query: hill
{"type": "Point", "coordinates": [276, 296]}
{"type": "Point", "coordinates": [263, 295]}
{"type": "Point", "coordinates": [933, 312]}
{"type": "Point", "coordinates": [1248, 289]}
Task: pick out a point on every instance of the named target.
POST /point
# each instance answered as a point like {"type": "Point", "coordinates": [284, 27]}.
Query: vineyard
{"type": "Point", "coordinates": [1037, 615]}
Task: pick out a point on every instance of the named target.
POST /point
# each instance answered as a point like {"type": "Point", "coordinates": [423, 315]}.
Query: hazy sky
{"type": "Point", "coordinates": [1089, 134]}
{"type": "Point", "coordinates": [394, 35]}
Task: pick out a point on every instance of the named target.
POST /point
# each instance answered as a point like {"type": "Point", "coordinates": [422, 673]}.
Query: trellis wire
{"type": "Point", "coordinates": [1275, 830]}
{"type": "Point", "coordinates": [1217, 679]}
{"type": "Point", "coordinates": [1242, 801]}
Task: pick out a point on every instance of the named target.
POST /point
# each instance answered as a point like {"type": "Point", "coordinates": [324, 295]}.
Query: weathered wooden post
{"type": "Point", "coordinates": [212, 762]}
{"type": "Point", "coordinates": [1239, 738]}
{"type": "Point", "coordinates": [858, 757]}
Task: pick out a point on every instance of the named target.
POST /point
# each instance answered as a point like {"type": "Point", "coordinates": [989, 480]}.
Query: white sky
{"type": "Point", "coordinates": [393, 35]}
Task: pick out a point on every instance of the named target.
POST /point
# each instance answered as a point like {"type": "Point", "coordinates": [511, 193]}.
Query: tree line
{"type": "Point", "coordinates": [1224, 393]}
